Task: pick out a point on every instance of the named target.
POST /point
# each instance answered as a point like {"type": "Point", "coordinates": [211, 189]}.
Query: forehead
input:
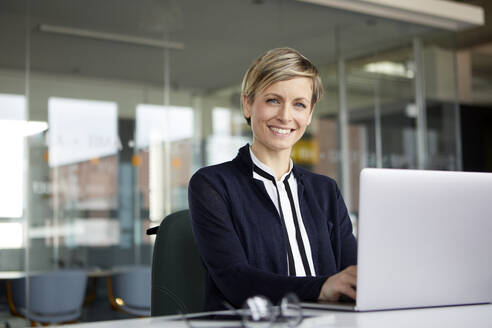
{"type": "Point", "coordinates": [298, 87]}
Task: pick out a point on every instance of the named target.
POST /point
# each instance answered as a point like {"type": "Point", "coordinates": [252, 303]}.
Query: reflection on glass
{"type": "Point", "coordinates": [222, 145]}
{"type": "Point", "coordinates": [382, 113]}
{"type": "Point", "coordinates": [12, 107]}
{"type": "Point", "coordinates": [391, 68]}
{"type": "Point", "coordinates": [81, 130]}
{"type": "Point", "coordinates": [221, 121]}
{"type": "Point", "coordinates": [156, 124]}
{"type": "Point", "coordinates": [96, 232]}
{"type": "Point", "coordinates": [73, 183]}
{"type": "Point", "coordinates": [327, 141]}
{"type": "Point", "coordinates": [164, 150]}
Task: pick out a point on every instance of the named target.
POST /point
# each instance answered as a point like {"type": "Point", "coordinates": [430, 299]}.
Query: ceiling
{"type": "Point", "coordinates": [220, 37]}
{"type": "Point", "coordinates": [478, 35]}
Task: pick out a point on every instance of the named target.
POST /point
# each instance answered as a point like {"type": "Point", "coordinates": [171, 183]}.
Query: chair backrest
{"type": "Point", "coordinates": [51, 293]}
{"type": "Point", "coordinates": [132, 285]}
{"type": "Point", "coordinates": [177, 271]}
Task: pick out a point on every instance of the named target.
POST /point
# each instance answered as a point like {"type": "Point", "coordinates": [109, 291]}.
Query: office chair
{"type": "Point", "coordinates": [177, 271]}
{"type": "Point", "coordinates": [54, 297]}
{"type": "Point", "coordinates": [129, 290]}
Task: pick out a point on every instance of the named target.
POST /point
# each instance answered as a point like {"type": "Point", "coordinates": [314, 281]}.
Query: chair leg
{"type": "Point", "coordinates": [10, 300]}
{"type": "Point", "coordinates": [13, 310]}
{"type": "Point", "coordinates": [112, 301]}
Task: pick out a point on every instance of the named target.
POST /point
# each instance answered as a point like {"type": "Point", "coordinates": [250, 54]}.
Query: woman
{"type": "Point", "coordinates": [263, 225]}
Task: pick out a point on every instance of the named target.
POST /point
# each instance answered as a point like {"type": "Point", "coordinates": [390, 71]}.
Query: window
{"type": "Point", "coordinates": [12, 115]}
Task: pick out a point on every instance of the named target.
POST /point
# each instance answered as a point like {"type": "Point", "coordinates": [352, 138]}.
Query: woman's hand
{"type": "Point", "coordinates": [342, 283]}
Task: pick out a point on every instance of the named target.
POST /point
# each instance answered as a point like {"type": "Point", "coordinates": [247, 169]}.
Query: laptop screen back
{"type": "Point", "coordinates": [424, 239]}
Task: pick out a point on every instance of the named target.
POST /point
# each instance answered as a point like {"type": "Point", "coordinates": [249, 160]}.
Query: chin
{"type": "Point", "coordinates": [281, 146]}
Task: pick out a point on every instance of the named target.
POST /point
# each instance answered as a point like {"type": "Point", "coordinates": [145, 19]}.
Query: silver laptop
{"type": "Point", "coordinates": [424, 239]}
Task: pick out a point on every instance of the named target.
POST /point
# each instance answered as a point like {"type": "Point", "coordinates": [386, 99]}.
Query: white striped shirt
{"type": "Point", "coordinates": [298, 241]}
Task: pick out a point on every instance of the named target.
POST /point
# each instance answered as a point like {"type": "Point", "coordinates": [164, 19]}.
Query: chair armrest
{"type": "Point", "coordinates": [152, 231]}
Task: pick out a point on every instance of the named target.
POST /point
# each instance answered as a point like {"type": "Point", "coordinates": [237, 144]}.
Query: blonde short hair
{"type": "Point", "coordinates": [276, 65]}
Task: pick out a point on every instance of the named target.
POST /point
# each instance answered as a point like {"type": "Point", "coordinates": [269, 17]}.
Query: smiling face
{"type": "Point", "coordinates": [280, 114]}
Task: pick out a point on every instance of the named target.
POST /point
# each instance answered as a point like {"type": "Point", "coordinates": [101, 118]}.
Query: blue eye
{"type": "Point", "coordinates": [272, 100]}
{"type": "Point", "coordinates": [300, 105]}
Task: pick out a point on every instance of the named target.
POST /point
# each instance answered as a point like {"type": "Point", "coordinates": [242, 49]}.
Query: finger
{"type": "Point", "coordinates": [349, 280]}
{"type": "Point", "coordinates": [330, 294]}
{"type": "Point", "coordinates": [334, 297]}
{"type": "Point", "coordinates": [349, 291]}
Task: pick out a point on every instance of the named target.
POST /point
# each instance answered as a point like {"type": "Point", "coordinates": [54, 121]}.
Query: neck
{"type": "Point", "coordinates": [278, 161]}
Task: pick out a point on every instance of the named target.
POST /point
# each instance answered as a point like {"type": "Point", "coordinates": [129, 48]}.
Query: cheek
{"type": "Point", "coordinates": [260, 114]}
{"type": "Point", "coordinates": [303, 119]}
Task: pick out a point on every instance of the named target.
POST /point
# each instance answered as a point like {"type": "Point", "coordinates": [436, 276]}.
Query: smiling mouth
{"type": "Point", "coordinates": [280, 131]}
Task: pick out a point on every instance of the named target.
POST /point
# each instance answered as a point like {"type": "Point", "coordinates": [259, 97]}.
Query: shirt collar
{"type": "Point", "coordinates": [245, 164]}
{"type": "Point", "coordinates": [266, 168]}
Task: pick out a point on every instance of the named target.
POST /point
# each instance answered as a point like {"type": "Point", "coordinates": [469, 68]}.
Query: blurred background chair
{"type": "Point", "coordinates": [177, 272]}
{"type": "Point", "coordinates": [129, 290]}
{"type": "Point", "coordinates": [54, 297]}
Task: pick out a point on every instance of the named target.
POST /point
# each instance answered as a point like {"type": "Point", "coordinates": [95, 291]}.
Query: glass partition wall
{"type": "Point", "coordinates": [112, 106]}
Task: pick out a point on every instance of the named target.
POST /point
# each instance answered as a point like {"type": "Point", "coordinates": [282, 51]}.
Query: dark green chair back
{"type": "Point", "coordinates": [177, 271]}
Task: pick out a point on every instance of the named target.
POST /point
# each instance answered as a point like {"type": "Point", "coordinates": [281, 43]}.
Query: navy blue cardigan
{"type": "Point", "coordinates": [239, 234]}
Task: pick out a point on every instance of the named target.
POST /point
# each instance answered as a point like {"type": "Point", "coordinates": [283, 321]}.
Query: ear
{"type": "Point", "coordinates": [246, 107]}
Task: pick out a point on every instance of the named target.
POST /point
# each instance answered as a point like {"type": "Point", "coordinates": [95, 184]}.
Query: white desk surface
{"type": "Point", "coordinates": [473, 316]}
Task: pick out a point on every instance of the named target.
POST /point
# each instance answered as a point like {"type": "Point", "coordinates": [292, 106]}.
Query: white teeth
{"type": "Point", "coordinates": [281, 131]}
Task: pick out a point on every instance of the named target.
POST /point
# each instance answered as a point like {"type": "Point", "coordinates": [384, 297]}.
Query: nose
{"type": "Point", "coordinates": [284, 115]}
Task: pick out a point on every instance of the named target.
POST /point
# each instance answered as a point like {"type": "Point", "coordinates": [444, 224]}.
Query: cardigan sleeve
{"type": "Point", "coordinates": [348, 243]}
{"type": "Point", "coordinates": [223, 255]}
